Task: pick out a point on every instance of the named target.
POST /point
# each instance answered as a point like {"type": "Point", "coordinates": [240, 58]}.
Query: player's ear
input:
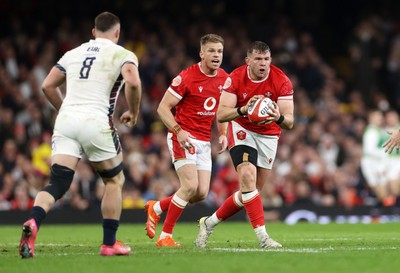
{"type": "Point", "coordinates": [94, 32]}
{"type": "Point", "coordinates": [247, 59]}
{"type": "Point", "coordinates": [201, 54]}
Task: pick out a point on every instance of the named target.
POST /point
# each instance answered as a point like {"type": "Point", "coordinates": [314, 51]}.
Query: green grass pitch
{"type": "Point", "coordinates": [232, 248]}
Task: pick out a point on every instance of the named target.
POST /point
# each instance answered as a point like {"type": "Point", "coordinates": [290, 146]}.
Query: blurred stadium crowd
{"type": "Point", "coordinates": [342, 65]}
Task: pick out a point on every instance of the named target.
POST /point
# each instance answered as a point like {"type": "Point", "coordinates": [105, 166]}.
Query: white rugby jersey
{"type": "Point", "coordinates": [93, 76]}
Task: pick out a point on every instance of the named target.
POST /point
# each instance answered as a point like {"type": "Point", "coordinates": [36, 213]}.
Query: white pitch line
{"type": "Point", "coordinates": [70, 254]}
{"type": "Point", "coordinates": [53, 244]}
{"type": "Point", "coordinates": [304, 250]}
{"type": "Point", "coordinates": [337, 239]}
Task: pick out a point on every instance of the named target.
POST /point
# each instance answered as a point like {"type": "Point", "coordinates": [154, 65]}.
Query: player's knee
{"type": "Point", "coordinates": [60, 181]}
{"type": "Point", "coordinates": [117, 180]}
{"type": "Point", "coordinates": [201, 196]}
{"type": "Point", "coordinates": [190, 190]}
{"type": "Point", "coordinates": [247, 174]}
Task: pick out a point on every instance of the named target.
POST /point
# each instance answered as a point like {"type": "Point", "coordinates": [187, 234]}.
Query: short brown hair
{"type": "Point", "coordinates": [211, 38]}
{"type": "Point", "coordinates": [105, 21]}
{"type": "Point", "coordinates": [259, 47]}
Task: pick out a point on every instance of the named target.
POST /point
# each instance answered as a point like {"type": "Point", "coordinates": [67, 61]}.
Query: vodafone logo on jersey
{"type": "Point", "coordinates": [209, 105]}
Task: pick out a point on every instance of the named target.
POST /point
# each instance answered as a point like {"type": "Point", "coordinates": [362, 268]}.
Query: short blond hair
{"type": "Point", "coordinates": [211, 38]}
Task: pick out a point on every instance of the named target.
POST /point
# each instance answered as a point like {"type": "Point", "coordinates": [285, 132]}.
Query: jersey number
{"type": "Point", "coordinates": [87, 64]}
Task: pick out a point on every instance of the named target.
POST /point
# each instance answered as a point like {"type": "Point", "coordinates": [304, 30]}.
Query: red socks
{"type": "Point", "coordinates": [254, 208]}
{"type": "Point", "coordinates": [175, 209]}
{"type": "Point", "coordinates": [231, 206]}
{"type": "Point", "coordinates": [164, 204]}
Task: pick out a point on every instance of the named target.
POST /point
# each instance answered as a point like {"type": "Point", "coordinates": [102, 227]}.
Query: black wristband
{"type": "Point", "coordinates": [280, 119]}
{"type": "Point", "coordinates": [240, 112]}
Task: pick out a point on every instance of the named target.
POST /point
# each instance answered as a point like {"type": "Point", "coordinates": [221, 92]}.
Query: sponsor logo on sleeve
{"type": "Point", "coordinates": [176, 81]}
{"type": "Point", "coordinates": [227, 83]}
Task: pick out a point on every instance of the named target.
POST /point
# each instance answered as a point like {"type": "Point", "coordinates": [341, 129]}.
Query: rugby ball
{"type": "Point", "coordinates": [259, 110]}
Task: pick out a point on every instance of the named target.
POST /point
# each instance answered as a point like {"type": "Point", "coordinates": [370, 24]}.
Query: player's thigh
{"type": "Point", "coordinates": [110, 170]}
{"type": "Point", "coordinates": [188, 176]}
{"type": "Point", "coordinates": [65, 160]}
{"type": "Point", "coordinates": [107, 164]}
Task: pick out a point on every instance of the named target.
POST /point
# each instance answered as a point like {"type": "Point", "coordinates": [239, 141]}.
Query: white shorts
{"type": "Point", "coordinates": [76, 134]}
{"type": "Point", "coordinates": [200, 155]}
{"type": "Point", "coordinates": [373, 171]}
{"type": "Point", "coordinates": [393, 168]}
{"type": "Point", "coordinates": [265, 145]}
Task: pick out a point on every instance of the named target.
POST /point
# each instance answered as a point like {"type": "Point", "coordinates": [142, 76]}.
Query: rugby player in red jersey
{"type": "Point", "coordinates": [252, 146]}
{"type": "Point", "coordinates": [194, 94]}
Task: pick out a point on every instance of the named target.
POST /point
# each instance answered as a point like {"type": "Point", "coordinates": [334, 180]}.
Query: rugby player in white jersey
{"type": "Point", "coordinates": [94, 74]}
{"type": "Point", "coordinates": [373, 162]}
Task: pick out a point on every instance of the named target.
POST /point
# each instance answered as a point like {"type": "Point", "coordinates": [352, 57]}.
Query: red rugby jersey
{"type": "Point", "coordinates": [276, 85]}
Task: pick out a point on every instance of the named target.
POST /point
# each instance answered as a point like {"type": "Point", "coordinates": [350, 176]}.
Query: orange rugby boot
{"type": "Point", "coordinates": [167, 241]}
{"type": "Point", "coordinates": [152, 219]}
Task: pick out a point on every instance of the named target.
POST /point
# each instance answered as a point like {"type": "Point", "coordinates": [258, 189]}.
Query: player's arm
{"type": "Point", "coordinates": [286, 108]}
{"type": "Point", "coordinates": [51, 87]}
{"type": "Point", "coordinates": [222, 140]}
{"type": "Point", "coordinates": [164, 110]}
{"type": "Point", "coordinates": [133, 93]}
{"type": "Point", "coordinates": [227, 109]}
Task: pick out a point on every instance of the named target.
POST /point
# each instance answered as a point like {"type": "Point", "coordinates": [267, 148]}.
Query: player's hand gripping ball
{"type": "Point", "coordinates": [259, 110]}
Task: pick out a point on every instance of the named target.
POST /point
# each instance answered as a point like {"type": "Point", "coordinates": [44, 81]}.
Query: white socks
{"type": "Point", "coordinates": [261, 233]}
{"type": "Point", "coordinates": [157, 208]}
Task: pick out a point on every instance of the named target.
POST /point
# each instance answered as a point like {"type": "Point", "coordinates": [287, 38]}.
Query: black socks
{"type": "Point", "coordinates": [110, 227]}
{"type": "Point", "coordinates": [37, 213]}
